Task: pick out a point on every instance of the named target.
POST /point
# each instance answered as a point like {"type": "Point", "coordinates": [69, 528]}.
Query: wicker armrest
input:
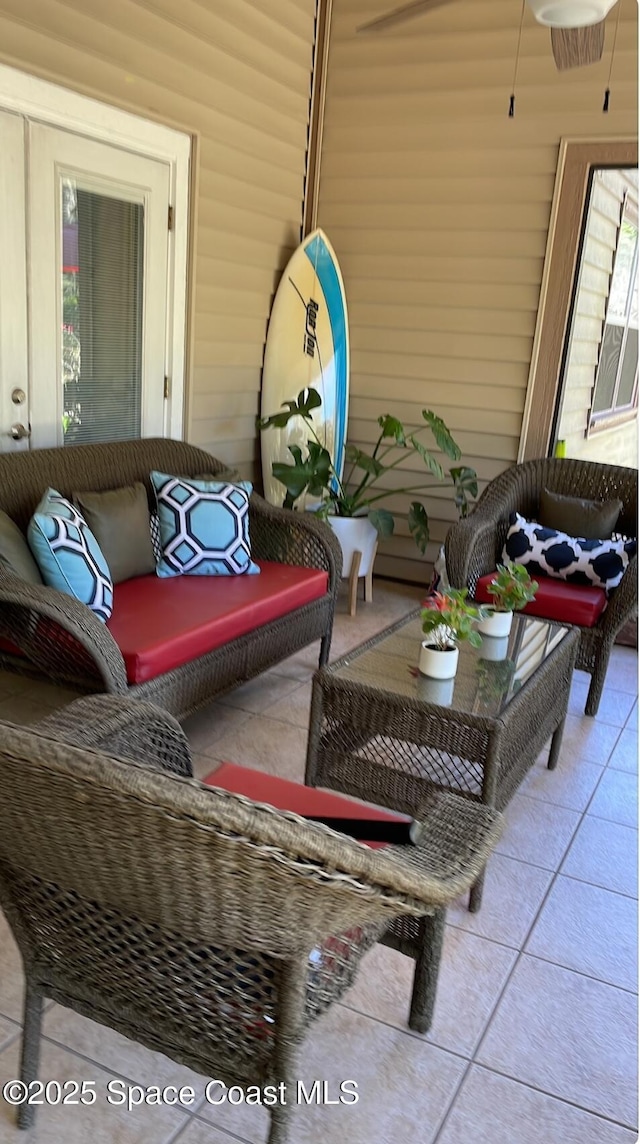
{"type": "Point", "coordinates": [470, 547]}
{"type": "Point", "coordinates": [290, 537]}
{"type": "Point", "coordinates": [128, 728]}
{"type": "Point", "coordinates": [58, 634]}
{"type": "Point", "coordinates": [623, 604]}
{"type": "Point", "coordinates": [457, 838]}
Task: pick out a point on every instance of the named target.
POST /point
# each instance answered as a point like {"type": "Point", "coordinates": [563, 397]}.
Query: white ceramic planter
{"type": "Point", "coordinates": [494, 647]}
{"type": "Point", "coordinates": [356, 534]}
{"type": "Point", "coordinates": [438, 691]}
{"type": "Point", "coordinates": [497, 624]}
{"type": "Point", "coordinates": [438, 664]}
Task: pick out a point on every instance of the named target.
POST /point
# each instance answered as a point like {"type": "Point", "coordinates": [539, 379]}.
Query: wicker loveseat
{"type": "Point", "coordinates": [48, 633]}
{"type": "Point", "coordinates": [474, 546]}
{"type": "Point", "coordinates": [184, 916]}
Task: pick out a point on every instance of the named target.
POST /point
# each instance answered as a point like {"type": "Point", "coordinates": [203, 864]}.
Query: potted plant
{"type": "Point", "coordinates": [359, 493]}
{"type": "Point", "coordinates": [448, 618]}
{"type": "Point", "coordinates": [512, 588]}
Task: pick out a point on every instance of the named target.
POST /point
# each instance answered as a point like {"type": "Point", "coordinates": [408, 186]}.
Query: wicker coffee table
{"type": "Point", "coordinates": [383, 733]}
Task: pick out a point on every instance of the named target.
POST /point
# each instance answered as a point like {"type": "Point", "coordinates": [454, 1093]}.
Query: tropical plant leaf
{"type": "Point", "coordinates": [465, 483]}
{"type": "Point", "coordinates": [310, 473]}
{"type": "Point", "coordinates": [364, 461]}
{"type": "Point", "coordinates": [313, 399]}
{"type": "Point", "coordinates": [308, 400]}
{"type": "Point", "coordinates": [319, 462]}
{"type": "Point", "coordinates": [383, 521]}
{"type": "Point", "coordinates": [276, 421]}
{"type": "Point", "coordinates": [430, 461]}
{"type": "Point", "coordinates": [441, 434]}
{"type": "Point", "coordinates": [419, 524]}
{"type": "Point", "coordinates": [391, 427]}
{"type": "Point", "coordinates": [294, 479]}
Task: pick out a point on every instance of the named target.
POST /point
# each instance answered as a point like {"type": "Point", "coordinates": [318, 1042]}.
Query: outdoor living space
{"type": "Point", "coordinates": [533, 1038]}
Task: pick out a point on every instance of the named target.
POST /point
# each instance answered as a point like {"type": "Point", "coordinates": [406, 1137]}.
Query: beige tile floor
{"type": "Point", "coordinates": [534, 1037]}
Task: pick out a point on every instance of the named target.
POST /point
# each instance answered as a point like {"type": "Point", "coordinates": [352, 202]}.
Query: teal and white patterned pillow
{"type": "Point", "coordinates": [204, 526]}
{"type": "Point", "coordinates": [68, 554]}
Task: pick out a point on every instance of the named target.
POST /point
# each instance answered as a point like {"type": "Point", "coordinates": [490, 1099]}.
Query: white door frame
{"type": "Point", "coordinates": [53, 105]}
{"type": "Point", "coordinates": [107, 171]}
{"type": "Point", "coordinates": [14, 345]}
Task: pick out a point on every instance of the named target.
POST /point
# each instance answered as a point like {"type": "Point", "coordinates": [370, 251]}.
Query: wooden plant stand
{"type": "Point", "coordinates": [353, 581]}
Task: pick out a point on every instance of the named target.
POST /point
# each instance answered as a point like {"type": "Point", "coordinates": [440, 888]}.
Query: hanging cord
{"type": "Point", "coordinates": [512, 98]}
{"type": "Point", "coordinates": [605, 105]}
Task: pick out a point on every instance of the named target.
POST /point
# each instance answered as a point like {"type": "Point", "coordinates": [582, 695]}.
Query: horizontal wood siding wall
{"type": "Point", "coordinates": [617, 444]}
{"type": "Point", "coordinates": [236, 75]}
{"type": "Point", "coordinates": [438, 206]}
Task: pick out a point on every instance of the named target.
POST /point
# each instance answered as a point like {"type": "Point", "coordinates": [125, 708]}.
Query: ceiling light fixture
{"type": "Point", "coordinates": [570, 13]}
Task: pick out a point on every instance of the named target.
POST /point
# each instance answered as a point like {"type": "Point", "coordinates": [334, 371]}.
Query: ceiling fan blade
{"type": "Point", "coordinates": [577, 47]}
{"type": "Point", "coordinates": [405, 12]}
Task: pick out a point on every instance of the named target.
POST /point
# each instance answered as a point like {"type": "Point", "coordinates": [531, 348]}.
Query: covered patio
{"type": "Point", "coordinates": [534, 1031]}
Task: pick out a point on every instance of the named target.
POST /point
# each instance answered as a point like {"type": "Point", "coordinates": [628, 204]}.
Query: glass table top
{"type": "Point", "coordinates": [487, 677]}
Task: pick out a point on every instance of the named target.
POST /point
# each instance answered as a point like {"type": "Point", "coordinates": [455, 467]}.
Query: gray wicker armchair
{"type": "Point", "coordinates": [184, 916]}
{"type": "Point", "coordinates": [474, 546]}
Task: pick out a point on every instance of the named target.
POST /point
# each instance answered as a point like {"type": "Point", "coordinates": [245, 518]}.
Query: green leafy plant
{"type": "Point", "coordinates": [512, 587]}
{"type": "Point", "coordinates": [448, 618]}
{"type": "Point", "coordinates": [359, 492]}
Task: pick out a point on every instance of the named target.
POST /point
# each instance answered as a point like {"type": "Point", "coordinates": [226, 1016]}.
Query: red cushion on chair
{"type": "Point", "coordinates": [286, 795]}
{"type": "Point", "coordinates": [160, 624]}
{"type": "Point", "coordinates": [557, 600]}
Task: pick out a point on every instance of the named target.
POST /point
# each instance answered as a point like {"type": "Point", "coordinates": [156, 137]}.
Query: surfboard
{"type": "Point", "coordinates": [307, 345]}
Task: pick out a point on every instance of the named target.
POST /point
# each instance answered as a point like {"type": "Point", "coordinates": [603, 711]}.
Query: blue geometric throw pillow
{"type": "Point", "coordinates": [548, 552]}
{"type": "Point", "coordinates": [68, 554]}
{"type": "Point", "coordinates": [204, 527]}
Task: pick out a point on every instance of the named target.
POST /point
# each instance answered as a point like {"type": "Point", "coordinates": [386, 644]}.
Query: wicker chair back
{"type": "Point", "coordinates": [185, 917]}
{"type": "Point", "coordinates": [25, 476]}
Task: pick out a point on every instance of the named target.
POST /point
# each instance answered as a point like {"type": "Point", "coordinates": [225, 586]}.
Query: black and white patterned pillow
{"type": "Point", "coordinates": [547, 552]}
{"type": "Point", "coordinates": [154, 529]}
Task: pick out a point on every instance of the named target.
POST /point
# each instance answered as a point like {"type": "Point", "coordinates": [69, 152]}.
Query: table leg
{"type": "Point", "coordinates": [489, 787]}
{"type": "Point", "coordinates": [425, 978]}
{"type": "Point", "coordinates": [556, 743]}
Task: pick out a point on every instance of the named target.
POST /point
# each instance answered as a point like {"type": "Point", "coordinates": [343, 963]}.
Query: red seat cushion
{"type": "Point", "coordinates": [557, 600]}
{"type": "Point", "coordinates": [160, 624]}
{"type": "Point", "coordinates": [285, 795]}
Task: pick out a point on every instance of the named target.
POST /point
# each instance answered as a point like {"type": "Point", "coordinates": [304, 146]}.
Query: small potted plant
{"type": "Point", "coordinates": [512, 588]}
{"type": "Point", "coordinates": [448, 618]}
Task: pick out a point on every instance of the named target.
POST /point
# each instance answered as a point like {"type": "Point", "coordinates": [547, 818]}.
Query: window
{"type": "Point", "coordinates": [102, 331]}
{"type": "Point", "coordinates": [616, 385]}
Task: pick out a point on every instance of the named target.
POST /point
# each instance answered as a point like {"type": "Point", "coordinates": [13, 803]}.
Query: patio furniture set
{"type": "Point", "coordinates": [213, 923]}
{"type": "Point", "coordinates": [169, 640]}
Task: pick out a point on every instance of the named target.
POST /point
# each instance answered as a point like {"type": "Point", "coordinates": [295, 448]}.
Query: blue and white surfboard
{"type": "Point", "coordinates": [307, 345]}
